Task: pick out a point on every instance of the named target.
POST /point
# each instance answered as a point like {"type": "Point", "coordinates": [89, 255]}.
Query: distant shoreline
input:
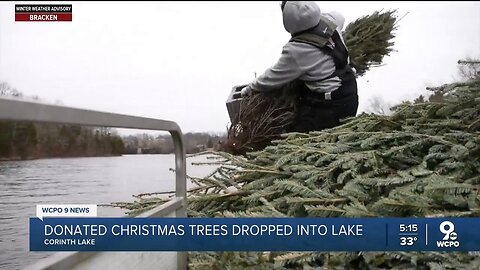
{"type": "Point", "coordinates": [2, 159]}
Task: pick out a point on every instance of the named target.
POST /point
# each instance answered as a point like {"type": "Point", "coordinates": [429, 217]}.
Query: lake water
{"type": "Point", "coordinates": [98, 180]}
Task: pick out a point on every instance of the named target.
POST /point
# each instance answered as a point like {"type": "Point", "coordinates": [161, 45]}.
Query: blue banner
{"type": "Point", "coordinates": [255, 234]}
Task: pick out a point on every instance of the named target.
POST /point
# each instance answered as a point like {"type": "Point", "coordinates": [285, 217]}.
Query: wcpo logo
{"type": "Point", "coordinates": [450, 236]}
{"type": "Point", "coordinates": [43, 13]}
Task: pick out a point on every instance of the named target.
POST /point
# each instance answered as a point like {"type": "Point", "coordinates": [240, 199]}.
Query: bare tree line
{"type": "Point", "coordinates": [163, 144]}
{"type": "Point", "coordinates": [19, 140]}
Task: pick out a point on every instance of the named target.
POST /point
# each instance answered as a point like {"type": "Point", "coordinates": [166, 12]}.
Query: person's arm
{"type": "Point", "coordinates": [284, 71]}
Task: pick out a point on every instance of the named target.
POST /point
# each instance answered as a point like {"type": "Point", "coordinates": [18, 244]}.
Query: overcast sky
{"type": "Point", "coordinates": [178, 61]}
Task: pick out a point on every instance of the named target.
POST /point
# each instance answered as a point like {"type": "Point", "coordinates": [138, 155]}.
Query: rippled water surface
{"type": "Point", "coordinates": [101, 180]}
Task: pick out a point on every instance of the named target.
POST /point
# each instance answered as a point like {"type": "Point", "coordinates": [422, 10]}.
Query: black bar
{"type": "Point", "coordinates": [43, 8]}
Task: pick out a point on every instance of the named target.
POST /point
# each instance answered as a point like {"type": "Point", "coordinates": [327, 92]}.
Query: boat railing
{"type": "Point", "coordinates": [21, 110]}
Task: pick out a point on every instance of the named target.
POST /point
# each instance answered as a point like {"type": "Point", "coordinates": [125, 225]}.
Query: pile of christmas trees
{"type": "Point", "coordinates": [421, 161]}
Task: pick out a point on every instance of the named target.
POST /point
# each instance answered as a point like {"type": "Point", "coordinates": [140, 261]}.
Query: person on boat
{"type": "Point", "coordinates": [317, 57]}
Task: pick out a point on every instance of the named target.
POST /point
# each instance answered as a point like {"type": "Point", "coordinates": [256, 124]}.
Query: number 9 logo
{"type": "Point", "coordinates": [448, 229]}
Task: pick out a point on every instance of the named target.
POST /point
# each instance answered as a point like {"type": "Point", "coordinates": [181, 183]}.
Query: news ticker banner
{"type": "Point", "coordinates": [43, 13]}
{"type": "Point", "coordinates": [254, 234]}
